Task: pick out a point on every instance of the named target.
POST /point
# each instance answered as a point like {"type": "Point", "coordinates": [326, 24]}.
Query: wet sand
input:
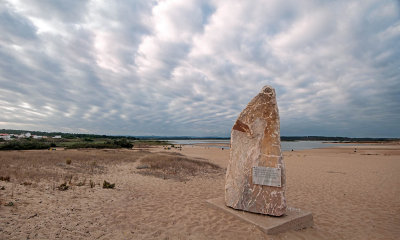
{"type": "Point", "coordinates": [353, 195]}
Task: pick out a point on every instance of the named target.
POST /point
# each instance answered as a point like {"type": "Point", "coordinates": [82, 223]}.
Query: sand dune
{"type": "Point", "coordinates": [353, 195]}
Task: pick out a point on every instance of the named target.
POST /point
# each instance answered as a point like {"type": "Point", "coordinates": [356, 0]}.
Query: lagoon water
{"type": "Point", "coordinates": [286, 146]}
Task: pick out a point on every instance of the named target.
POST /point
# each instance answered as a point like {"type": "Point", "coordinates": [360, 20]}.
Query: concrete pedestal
{"type": "Point", "coordinates": [294, 219]}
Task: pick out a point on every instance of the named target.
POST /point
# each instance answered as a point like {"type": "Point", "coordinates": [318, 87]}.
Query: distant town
{"type": "Point", "coordinates": [28, 140]}
{"type": "Point", "coordinates": [7, 137]}
{"type": "Point", "coordinates": [12, 134]}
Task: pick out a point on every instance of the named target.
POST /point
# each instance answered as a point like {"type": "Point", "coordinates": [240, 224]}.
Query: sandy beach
{"type": "Point", "coordinates": [353, 195]}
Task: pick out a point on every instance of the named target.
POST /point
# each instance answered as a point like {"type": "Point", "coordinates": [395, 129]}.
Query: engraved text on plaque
{"type": "Point", "coordinates": [267, 176]}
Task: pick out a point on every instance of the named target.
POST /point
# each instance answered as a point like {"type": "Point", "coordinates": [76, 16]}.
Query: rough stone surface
{"type": "Point", "coordinates": [255, 142]}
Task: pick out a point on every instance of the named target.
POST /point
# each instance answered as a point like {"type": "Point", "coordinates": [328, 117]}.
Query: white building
{"type": "Point", "coordinates": [57, 136]}
{"type": "Point", "coordinates": [37, 137]}
{"type": "Point", "coordinates": [5, 136]}
{"type": "Point", "coordinates": [28, 135]}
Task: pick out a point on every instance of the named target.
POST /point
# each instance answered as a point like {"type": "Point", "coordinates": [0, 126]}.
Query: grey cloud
{"type": "Point", "coordinates": [61, 10]}
{"type": "Point", "coordinates": [14, 27]}
{"type": "Point", "coordinates": [188, 68]}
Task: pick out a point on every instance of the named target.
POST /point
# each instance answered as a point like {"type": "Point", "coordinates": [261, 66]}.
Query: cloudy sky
{"type": "Point", "coordinates": [188, 68]}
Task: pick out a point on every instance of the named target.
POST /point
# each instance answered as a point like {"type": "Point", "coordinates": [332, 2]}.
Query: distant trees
{"type": "Point", "coordinates": [25, 144]}
{"type": "Point", "coordinates": [124, 143]}
{"type": "Point", "coordinates": [117, 143]}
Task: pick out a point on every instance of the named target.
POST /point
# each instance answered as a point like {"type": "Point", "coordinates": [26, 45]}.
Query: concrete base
{"type": "Point", "coordinates": [294, 219]}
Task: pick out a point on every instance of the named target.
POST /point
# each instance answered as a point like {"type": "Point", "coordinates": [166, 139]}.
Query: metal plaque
{"type": "Point", "coordinates": [267, 176]}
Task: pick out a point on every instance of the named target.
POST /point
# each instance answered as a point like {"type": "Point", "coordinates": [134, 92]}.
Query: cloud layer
{"type": "Point", "coordinates": [190, 67]}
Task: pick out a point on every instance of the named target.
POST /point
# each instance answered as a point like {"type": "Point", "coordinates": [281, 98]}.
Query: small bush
{"type": "Point", "coordinates": [143, 166]}
{"type": "Point", "coordinates": [68, 161]}
{"type": "Point", "coordinates": [63, 187]}
{"type": "Point", "coordinates": [108, 185]}
{"type": "Point", "coordinates": [5, 179]}
{"type": "Point", "coordinates": [53, 145]}
{"type": "Point", "coordinates": [81, 183]}
{"type": "Point", "coordinates": [92, 184]}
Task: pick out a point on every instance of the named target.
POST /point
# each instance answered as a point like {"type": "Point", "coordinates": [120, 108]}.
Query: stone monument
{"type": "Point", "coordinates": [255, 177]}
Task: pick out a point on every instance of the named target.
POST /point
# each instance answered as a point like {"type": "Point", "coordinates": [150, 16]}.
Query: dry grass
{"type": "Point", "coordinates": [39, 165]}
{"type": "Point", "coordinates": [75, 167]}
{"type": "Point", "coordinates": [176, 166]}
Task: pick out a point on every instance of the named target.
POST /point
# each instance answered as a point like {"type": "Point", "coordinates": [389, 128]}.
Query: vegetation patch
{"type": "Point", "coordinates": [5, 179]}
{"type": "Point", "coordinates": [51, 166]}
{"type": "Point", "coordinates": [176, 166]}
{"type": "Point", "coordinates": [92, 184]}
{"type": "Point", "coordinates": [26, 144]}
{"type": "Point", "coordinates": [117, 143]}
{"type": "Point", "coordinates": [108, 185]}
{"type": "Point", "coordinates": [79, 184]}
{"type": "Point", "coordinates": [63, 187]}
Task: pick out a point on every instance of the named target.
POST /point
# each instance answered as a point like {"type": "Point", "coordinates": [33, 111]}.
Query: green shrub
{"type": "Point", "coordinates": [124, 143]}
{"type": "Point", "coordinates": [24, 145]}
{"type": "Point", "coordinates": [120, 143]}
{"type": "Point", "coordinates": [91, 145]}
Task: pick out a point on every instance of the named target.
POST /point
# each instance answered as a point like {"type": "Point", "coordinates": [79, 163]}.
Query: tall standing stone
{"type": "Point", "coordinates": [255, 177]}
